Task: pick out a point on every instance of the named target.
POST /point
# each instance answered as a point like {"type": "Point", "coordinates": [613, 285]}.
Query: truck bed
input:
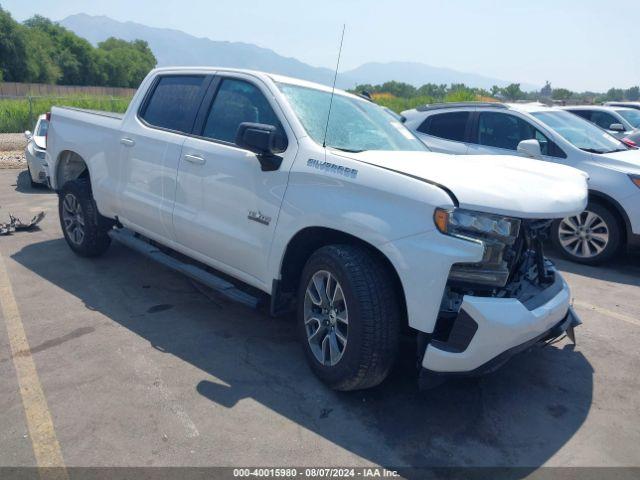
{"type": "Point", "coordinates": [103, 113]}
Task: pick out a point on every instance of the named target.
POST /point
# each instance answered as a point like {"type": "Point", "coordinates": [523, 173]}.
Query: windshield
{"type": "Point", "coordinates": [41, 129]}
{"type": "Point", "coordinates": [579, 132]}
{"type": "Point", "coordinates": [631, 116]}
{"type": "Point", "coordinates": [355, 125]}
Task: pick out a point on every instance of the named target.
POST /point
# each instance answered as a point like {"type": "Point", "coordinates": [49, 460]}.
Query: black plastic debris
{"type": "Point", "coordinates": [17, 225]}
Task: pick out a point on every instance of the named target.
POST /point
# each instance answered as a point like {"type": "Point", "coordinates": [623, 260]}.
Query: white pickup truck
{"type": "Point", "coordinates": [350, 221]}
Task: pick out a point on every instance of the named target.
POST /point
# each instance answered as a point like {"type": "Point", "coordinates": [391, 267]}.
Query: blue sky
{"type": "Point", "coordinates": [580, 45]}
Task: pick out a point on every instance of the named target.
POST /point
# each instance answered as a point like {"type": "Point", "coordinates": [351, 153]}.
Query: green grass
{"type": "Point", "coordinates": [20, 114]}
{"type": "Point", "coordinates": [399, 104]}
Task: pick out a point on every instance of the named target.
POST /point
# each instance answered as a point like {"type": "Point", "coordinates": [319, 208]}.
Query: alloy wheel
{"type": "Point", "coordinates": [326, 319]}
{"type": "Point", "coordinates": [73, 219]}
{"type": "Point", "coordinates": [585, 235]}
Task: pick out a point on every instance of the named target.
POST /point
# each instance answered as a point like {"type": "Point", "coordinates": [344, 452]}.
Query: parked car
{"type": "Point", "coordinates": [634, 105]}
{"type": "Point", "coordinates": [346, 219]}
{"type": "Point", "coordinates": [35, 152]}
{"type": "Point", "coordinates": [623, 123]}
{"type": "Point", "coordinates": [612, 218]}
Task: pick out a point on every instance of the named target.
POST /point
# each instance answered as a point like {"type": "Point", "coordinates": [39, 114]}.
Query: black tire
{"type": "Point", "coordinates": [94, 240]}
{"type": "Point", "coordinates": [373, 317]}
{"type": "Point", "coordinates": [612, 226]}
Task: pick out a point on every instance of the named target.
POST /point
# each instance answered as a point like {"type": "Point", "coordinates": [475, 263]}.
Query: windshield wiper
{"type": "Point", "coordinates": [593, 150]}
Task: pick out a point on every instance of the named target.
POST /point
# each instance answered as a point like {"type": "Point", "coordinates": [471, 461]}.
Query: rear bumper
{"type": "Point", "coordinates": [38, 168]}
{"type": "Point", "coordinates": [501, 327]}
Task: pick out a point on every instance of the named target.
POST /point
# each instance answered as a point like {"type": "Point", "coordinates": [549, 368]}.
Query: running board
{"type": "Point", "coordinates": [221, 286]}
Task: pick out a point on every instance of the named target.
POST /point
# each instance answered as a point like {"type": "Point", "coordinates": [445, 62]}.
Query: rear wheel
{"type": "Point", "coordinates": [84, 229]}
{"type": "Point", "coordinates": [348, 317]}
{"type": "Point", "coordinates": [591, 237]}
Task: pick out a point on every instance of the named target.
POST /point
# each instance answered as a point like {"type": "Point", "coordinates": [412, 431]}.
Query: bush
{"type": "Point", "coordinates": [20, 114]}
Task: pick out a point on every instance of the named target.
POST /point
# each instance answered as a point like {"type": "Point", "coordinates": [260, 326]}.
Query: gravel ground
{"type": "Point", "coordinates": [12, 141]}
{"type": "Point", "coordinates": [12, 150]}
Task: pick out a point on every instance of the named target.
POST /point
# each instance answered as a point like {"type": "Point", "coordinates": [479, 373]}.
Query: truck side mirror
{"type": "Point", "coordinates": [263, 140]}
{"type": "Point", "coordinates": [28, 134]}
{"type": "Point", "coordinates": [616, 127]}
{"type": "Point", "coordinates": [530, 148]}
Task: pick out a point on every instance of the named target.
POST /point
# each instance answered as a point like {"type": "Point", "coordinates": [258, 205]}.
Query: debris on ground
{"type": "Point", "coordinates": [17, 225]}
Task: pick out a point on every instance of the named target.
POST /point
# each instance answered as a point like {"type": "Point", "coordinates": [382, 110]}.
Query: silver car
{"type": "Point", "coordinates": [621, 122]}
{"type": "Point", "coordinates": [35, 152]}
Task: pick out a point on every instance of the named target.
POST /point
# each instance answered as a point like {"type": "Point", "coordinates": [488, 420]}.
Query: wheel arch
{"type": "Point", "coordinates": [616, 209]}
{"type": "Point", "coordinates": [70, 166]}
{"type": "Point", "coordinates": [304, 243]}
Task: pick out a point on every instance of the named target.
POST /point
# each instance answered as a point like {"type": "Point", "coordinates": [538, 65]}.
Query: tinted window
{"type": "Point", "coordinates": [586, 114]}
{"type": "Point", "coordinates": [507, 131]}
{"type": "Point", "coordinates": [236, 102]}
{"type": "Point", "coordinates": [631, 116]}
{"type": "Point", "coordinates": [450, 125]}
{"type": "Point", "coordinates": [603, 119]}
{"type": "Point", "coordinates": [174, 102]}
{"type": "Point", "coordinates": [582, 134]}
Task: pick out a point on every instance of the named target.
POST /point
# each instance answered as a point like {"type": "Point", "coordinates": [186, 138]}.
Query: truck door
{"type": "Point", "coordinates": [226, 206]}
{"type": "Point", "coordinates": [151, 141]}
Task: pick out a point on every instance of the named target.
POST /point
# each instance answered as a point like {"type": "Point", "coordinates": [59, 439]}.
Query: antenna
{"type": "Point", "coordinates": [333, 89]}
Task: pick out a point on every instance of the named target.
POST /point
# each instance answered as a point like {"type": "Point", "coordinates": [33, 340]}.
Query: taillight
{"type": "Point", "coordinates": [46, 135]}
{"type": "Point", "coordinates": [629, 143]}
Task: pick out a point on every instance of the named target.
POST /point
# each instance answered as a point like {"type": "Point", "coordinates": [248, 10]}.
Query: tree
{"type": "Point", "coordinates": [399, 89]}
{"type": "Point", "coordinates": [546, 91]}
{"type": "Point", "coordinates": [73, 55]}
{"type": "Point", "coordinates": [495, 91]}
{"type": "Point", "coordinates": [432, 90]}
{"type": "Point", "coordinates": [615, 94]}
{"type": "Point", "coordinates": [632, 94]}
{"type": "Point", "coordinates": [13, 49]}
{"type": "Point", "coordinates": [126, 63]}
{"type": "Point", "coordinates": [561, 94]}
{"type": "Point", "coordinates": [513, 92]}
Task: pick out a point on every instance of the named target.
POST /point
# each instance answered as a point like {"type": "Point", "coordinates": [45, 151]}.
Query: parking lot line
{"type": "Point", "coordinates": [41, 431]}
{"type": "Point", "coordinates": [609, 313]}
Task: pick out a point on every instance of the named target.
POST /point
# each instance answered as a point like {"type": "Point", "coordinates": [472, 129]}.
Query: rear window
{"type": "Point", "coordinates": [586, 114]}
{"type": "Point", "coordinates": [174, 102]}
{"type": "Point", "coordinates": [450, 125]}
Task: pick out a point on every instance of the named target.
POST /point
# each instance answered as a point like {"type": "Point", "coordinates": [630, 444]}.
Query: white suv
{"type": "Point", "coordinates": [612, 218]}
{"type": "Point", "coordinates": [623, 123]}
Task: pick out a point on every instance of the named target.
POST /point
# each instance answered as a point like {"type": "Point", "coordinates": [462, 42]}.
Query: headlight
{"type": "Point", "coordinates": [41, 154]}
{"type": "Point", "coordinates": [494, 232]}
{"type": "Point", "coordinates": [635, 179]}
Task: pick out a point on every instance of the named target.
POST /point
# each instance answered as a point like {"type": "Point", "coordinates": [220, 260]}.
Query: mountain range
{"type": "Point", "coordinates": [176, 48]}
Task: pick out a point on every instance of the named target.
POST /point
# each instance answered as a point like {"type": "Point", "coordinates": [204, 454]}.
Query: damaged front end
{"type": "Point", "coordinates": [513, 266]}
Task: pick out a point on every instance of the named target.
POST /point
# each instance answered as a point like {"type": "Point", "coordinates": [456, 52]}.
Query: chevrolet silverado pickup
{"type": "Point", "coordinates": [327, 205]}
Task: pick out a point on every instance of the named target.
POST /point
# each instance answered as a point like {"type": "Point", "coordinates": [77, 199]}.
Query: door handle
{"type": "Point", "coordinates": [194, 159]}
{"type": "Point", "coordinates": [127, 142]}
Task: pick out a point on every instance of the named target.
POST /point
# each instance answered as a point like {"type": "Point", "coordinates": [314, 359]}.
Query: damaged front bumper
{"type": "Point", "coordinates": [487, 331]}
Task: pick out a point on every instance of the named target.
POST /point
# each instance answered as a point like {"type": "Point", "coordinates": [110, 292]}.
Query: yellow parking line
{"type": "Point", "coordinates": [609, 313]}
{"type": "Point", "coordinates": [43, 436]}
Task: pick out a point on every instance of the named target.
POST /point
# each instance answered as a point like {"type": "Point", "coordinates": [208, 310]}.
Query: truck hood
{"type": "Point", "coordinates": [501, 184]}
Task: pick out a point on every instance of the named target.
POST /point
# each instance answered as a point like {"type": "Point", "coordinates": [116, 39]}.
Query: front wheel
{"type": "Point", "coordinates": [348, 317]}
{"type": "Point", "coordinates": [84, 229]}
{"type": "Point", "coordinates": [591, 237]}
